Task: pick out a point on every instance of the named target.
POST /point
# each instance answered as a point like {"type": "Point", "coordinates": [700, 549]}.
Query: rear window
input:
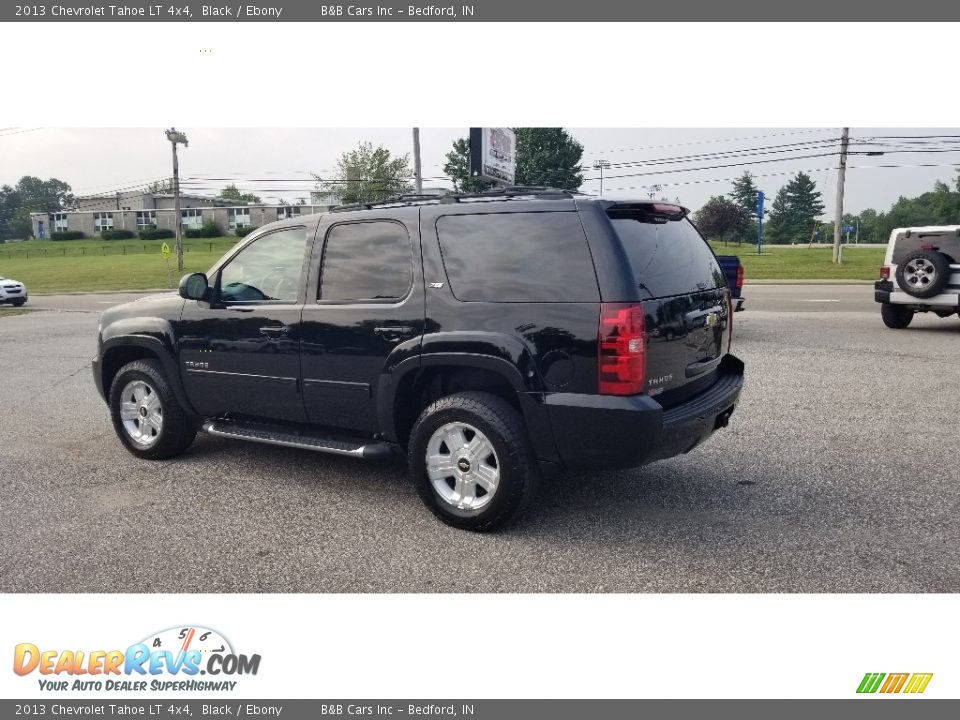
{"type": "Point", "coordinates": [947, 243]}
{"type": "Point", "coordinates": [667, 257]}
{"type": "Point", "coordinates": [517, 257]}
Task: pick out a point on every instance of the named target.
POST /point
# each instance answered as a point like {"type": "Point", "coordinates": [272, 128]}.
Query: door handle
{"type": "Point", "coordinates": [274, 330]}
{"type": "Point", "coordinates": [393, 333]}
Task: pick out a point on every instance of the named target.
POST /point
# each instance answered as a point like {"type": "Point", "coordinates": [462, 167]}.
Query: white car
{"type": "Point", "coordinates": [12, 292]}
{"type": "Point", "coordinates": [920, 273]}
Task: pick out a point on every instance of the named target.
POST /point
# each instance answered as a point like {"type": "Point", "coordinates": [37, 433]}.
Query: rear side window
{"type": "Point", "coordinates": [517, 257]}
{"type": "Point", "coordinates": [366, 261]}
{"type": "Point", "coordinates": [947, 243]}
{"type": "Point", "coordinates": [667, 257]}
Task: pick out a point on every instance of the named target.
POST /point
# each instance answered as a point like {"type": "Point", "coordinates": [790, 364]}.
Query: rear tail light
{"type": "Point", "coordinates": [885, 272]}
{"type": "Point", "coordinates": [739, 277]}
{"type": "Point", "coordinates": [621, 349]}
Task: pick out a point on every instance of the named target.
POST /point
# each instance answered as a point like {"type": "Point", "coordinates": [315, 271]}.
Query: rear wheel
{"type": "Point", "coordinates": [896, 316]}
{"type": "Point", "coordinates": [471, 462]}
{"type": "Point", "coordinates": [146, 415]}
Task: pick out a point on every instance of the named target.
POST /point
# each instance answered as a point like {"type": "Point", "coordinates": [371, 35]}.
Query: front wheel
{"type": "Point", "coordinates": [146, 415]}
{"type": "Point", "coordinates": [471, 462]}
{"type": "Point", "coordinates": [896, 316]}
{"type": "Point", "coordinates": [18, 302]}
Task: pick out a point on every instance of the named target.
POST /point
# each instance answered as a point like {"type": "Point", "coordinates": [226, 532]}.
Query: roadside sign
{"type": "Point", "coordinates": [165, 251]}
{"type": "Point", "coordinates": [493, 154]}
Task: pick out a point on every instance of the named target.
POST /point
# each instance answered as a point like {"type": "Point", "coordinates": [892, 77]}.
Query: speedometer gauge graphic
{"type": "Point", "coordinates": [183, 639]}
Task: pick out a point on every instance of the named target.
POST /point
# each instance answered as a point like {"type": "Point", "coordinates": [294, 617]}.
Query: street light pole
{"type": "Point", "coordinates": [600, 165]}
{"type": "Point", "coordinates": [176, 137]}
{"type": "Point", "coordinates": [841, 177]}
{"type": "Point", "coordinates": [417, 174]}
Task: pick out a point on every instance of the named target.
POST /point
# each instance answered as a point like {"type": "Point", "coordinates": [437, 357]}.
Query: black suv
{"type": "Point", "coordinates": [492, 338]}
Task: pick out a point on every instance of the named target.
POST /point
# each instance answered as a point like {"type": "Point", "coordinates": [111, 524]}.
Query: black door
{"type": "Point", "coordinates": [366, 316]}
{"type": "Point", "coordinates": [240, 354]}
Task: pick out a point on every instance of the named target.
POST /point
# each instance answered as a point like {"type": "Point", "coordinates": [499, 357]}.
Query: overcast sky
{"type": "Point", "coordinates": [276, 163]}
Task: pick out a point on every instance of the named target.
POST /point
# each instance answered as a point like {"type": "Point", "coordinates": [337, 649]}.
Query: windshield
{"type": "Point", "coordinates": [668, 257]}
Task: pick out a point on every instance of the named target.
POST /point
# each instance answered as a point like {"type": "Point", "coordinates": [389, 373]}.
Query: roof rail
{"type": "Point", "coordinates": [507, 192]}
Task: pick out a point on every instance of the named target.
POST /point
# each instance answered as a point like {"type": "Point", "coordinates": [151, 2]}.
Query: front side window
{"type": "Point", "coordinates": [269, 269]}
{"type": "Point", "coordinates": [366, 261]}
{"type": "Point", "coordinates": [102, 221]}
{"type": "Point", "coordinates": [238, 218]}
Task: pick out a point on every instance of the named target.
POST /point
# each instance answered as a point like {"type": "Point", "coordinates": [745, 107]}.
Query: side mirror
{"type": "Point", "coordinates": [194, 287]}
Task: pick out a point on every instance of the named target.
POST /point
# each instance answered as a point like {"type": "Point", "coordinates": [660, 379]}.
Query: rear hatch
{"type": "Point", "coordinates": [686, 313]}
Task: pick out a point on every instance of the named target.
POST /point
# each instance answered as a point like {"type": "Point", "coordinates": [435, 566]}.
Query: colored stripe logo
{"type": "Point", "coordinates": [912, 683]}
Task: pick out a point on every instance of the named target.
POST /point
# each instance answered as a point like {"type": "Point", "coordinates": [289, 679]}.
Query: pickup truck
{"type": "Point", "coordinates": [733, 271]}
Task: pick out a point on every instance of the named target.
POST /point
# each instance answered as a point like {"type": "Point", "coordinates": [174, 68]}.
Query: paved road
{"type": "Point", "coordinates": [838, 474]}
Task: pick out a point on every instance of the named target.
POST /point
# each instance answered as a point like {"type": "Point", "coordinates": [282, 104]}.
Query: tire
{"type": "Point", "coordinates": [18, 302]}
{"type": "Point", "coordinates": [153, 426]}
{"type": "Point", "coordinates": [923, 274]}
{"type": "Point", "coordinates": [462, 428]}
{"type": "Point", "coordinates": [896, 316]}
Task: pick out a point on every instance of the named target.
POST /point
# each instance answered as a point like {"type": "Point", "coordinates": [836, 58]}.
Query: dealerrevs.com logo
{"type": "Point", "coordinates": [172, 659]}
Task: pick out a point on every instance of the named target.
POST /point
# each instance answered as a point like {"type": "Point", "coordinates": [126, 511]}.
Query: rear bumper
{"type": "Point", "coordinates": [884, 291]}
{"type": "Point", "coordinates": [602, 431]}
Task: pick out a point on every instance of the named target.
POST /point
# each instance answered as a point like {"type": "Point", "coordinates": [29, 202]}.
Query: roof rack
{"type": "Point", "coordinates": [504, 193]}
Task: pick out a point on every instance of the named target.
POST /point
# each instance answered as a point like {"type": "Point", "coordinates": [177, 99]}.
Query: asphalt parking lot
{"type": "Point", "coordinates": [838, 473]}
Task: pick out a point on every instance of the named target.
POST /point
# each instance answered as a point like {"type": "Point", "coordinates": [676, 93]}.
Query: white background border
{"type": "Point", "coordinates": [439, 75]}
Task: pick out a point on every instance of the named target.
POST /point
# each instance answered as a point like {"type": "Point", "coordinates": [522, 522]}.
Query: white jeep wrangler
{"type": "Point", "coordinates": [920, 273]}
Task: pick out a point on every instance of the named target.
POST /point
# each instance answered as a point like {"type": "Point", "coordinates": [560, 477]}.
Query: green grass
{"type": "Point", "coordinates": [89, 265]}
{"type": "Point", "coordinates": [8, 312]}
{"type": "Point", "coordinates": [802, 263]}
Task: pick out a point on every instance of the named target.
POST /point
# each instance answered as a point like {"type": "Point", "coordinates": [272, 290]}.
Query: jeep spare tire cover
{"type": "Point", "coordinates": [923, 274]}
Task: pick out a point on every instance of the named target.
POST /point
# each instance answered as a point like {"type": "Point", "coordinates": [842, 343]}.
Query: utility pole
{"type": "Point", "coordinates": [841, 177]}
{"type": "Point", "coordinates": [175, 137]}
{"type": "Point", "coordinates": [417, 174]}
{"type": "Point", "coordinates": [600, 165]}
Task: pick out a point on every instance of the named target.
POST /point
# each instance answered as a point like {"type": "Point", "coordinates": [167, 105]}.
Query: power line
{"type": "Point", "coordinates": [712, 141]}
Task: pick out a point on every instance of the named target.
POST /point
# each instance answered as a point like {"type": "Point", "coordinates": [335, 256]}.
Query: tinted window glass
{"type": "Point", "coordinates": [267, 269]}
{"type": "Point", "coordinates": [668, 257]}
{"type": "Point", "coordinates": [947, 243]}
{"type": "Point", "coordinates": [517, 257]}
{"type": "Point", "coordinates": [366, 261]}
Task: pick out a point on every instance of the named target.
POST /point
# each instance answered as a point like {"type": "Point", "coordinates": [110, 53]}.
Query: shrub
{"type": "Point", "coordinates": [244, 231]}
{"type": "Point", "coordinates": [155, 234]}
{"type": "Point", "coordinates": [67, 235]}
{"type": "Point", "coordinates": [116, 234]}
{"type": "Point", "coordinates": [210, 229]}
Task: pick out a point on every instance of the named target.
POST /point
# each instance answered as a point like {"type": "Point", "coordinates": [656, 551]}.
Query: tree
{"type": "Point", "coordinates": [548, 156]}
{"type": "Point", "coordinates": [795, 211]}
{"type": "Point", "coordinates": [233, 194]}
{"type": "Point", "coordinates": [457, 168]}
{"type": "Point", "coordinates": [31, 195]}
{"type": "Point", "coordinates": [160, 187]}
{"type": "Point", "coordinates": [367, 174]}
{"type": "Point", "coordinates": [720, 219]}
{"type": "Point", "coordinates": [744, 195]}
